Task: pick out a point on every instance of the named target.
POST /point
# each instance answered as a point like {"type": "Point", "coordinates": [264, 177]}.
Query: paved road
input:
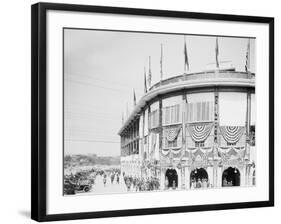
{"type": "Point", "coordinates": [99, 188]}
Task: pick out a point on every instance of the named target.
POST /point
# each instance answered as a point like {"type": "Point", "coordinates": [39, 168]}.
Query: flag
{"type": "Point", "coordinates": [217, 53]}
{"type": "Point", "coordinates": [247, 66]}
{"type": "Point", "coordinates": [186, 63]}
{"type": "Point", "coordinates": [145, 86]}
{"type": "Point", "coordinates": [161, 63]}
{"type": "Point", "coordinates": [135, 100]}
{"type": "Point", "coordinates": [149, 73]}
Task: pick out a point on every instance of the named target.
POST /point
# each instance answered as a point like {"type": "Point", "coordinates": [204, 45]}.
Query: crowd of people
{"type": "Point", "coordinates": [226, 183]}
{"type": "Point", "coordinates": [199, 183]}
{"type": "Point", "coordinates": [141, 183]}
{"type": "Point", "coordinates": [114, 176]}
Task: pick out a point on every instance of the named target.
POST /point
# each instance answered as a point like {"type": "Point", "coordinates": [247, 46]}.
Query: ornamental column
{"type": "Point", "coordinates": [162, 172]}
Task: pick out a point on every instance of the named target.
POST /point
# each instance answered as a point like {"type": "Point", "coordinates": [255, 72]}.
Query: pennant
{"type": "Point", "coordinates": [135, 99]}
{"type": "Point", "coordinates": [217, 53]}
{"type": "Point", "coordinates": [149, 73]}
{"type": "Point", "coordinates": [186, 63]}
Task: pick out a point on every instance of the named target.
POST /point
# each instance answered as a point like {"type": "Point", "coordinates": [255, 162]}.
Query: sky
{"type": "Point", "coordinates": [103, 68]}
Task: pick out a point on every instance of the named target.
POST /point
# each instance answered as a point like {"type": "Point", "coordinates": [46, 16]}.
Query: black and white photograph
{"type": "Point", "coordinates": [148, 112]}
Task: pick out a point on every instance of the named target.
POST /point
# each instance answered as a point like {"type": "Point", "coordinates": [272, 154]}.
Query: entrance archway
{"type": "Point", "coordinates": [231, 177]}
{"type": "Point", "coordinates": [171, 178]}
{"type": "Point", "coordinates": [254, 178]}
{"type": "Point", "coordinates": [199, 178]}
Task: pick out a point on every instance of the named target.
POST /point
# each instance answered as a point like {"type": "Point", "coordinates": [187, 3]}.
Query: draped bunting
{"type": "Point", "coordinates": [232, 134]}
{"type": "Point", "coordinates": [227, 149]}
{"type": "Point", "coordinates": [172, 133]}
{"type": "Point", "coordinates": [202, 149]}
{"type": "Point", "coordinates": [200, 154]}
{"type": "Point", "coordinates": [227, 152]}
{"type": "Point", "coordinates": [175, 151]}
{"type": "Point", "coordinates": [206, 149]}
{"type": "Point", "coordinates": [199, 133]}
{"type": "Point", "coordinates": [165, 151]}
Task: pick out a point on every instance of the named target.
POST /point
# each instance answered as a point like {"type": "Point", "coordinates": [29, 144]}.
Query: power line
{"type": "Point", "coordinates": [102, 80]}
{"type": "Point", "coordinates": [123, 92]}
{"type": "Point", "coordinates": [90, 84]}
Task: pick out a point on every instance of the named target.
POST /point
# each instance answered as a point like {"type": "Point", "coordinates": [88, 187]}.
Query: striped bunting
{"type": "Point", "coordinates": [176, 150]}
{"type": "Point", "coordinates": [199, 133]}
{"type": "Point", "coordinates": [172, 133]}
{"type": "Point", "coordinates": [165, 152]}
{"type": "Point", "coordinates": [232, 134]}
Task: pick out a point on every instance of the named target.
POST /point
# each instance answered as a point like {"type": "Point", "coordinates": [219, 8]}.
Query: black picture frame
{"type": "Point", "coordinates": [39, 107]}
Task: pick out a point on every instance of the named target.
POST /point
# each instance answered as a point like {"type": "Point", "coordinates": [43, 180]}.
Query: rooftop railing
{"type": "Point", "coordinates": [204, 75]}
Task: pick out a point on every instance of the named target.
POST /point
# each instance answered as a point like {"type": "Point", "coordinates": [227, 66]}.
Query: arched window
{"type": "Point", "coordinates": [199, 178]}
{"type": "Point", "coordinates": [231, 177]}
{"type": "Point", "coordinates": [171, 178]}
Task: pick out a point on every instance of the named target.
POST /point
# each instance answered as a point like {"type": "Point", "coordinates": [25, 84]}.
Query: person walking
{"type": "Point", "coordinates": [104, 180]}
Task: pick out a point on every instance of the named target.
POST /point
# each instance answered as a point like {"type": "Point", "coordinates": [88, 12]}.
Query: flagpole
{"type": "Point", "coordinates": [184, 51]}
{"type": "Point", "coordinates": [145, 86]}
{"type": "Point", "coordinates": [249, 58]}
{"type": "Point", "coordinates": [149, 73]}
{"type": "Point", "coordinates": [161, 64]}
{"type": "Point", "coordinates": [247, 66]}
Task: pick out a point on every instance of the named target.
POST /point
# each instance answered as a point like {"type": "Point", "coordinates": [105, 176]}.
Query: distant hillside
{"type": "Point", "coordinates": [90, 160]}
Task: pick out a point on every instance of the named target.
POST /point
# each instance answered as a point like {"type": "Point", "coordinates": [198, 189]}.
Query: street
{"type": "Point", "coordinates": [99, 188]}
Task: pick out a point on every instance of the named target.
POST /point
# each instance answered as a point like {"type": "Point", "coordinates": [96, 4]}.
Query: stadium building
{"type": "Point", "coordinates": [194, 128]}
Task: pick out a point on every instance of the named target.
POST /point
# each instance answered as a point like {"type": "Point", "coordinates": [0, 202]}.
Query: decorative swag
{"type": "Point", "coordinates": [172, 133]}
{"type": "Point", "coordinates": [227, 152]}
{"type": "Point", "coordinates": [232, 134]}
{"type": "Point", "coordinates": [166, 151]}
{"type": "Point", "coordinates": [199, 133]}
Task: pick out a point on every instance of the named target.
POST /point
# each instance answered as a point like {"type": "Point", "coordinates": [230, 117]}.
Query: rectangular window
{"type": "Point", "coordinates": [154, 119]}
{"type": "Point", "coordinates": [232, 108]}
{"type": "Point", "coordinates": [171, 114]}
{"type": "Point", "coordinates": [200, 111]}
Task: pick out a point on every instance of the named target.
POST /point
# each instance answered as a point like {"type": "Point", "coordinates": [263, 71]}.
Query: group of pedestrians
{"type": "Point", "coordinates": [141, 184]}
{"type": "Point", "coordinates": [199, 183]}
{"type": "Point", "coordinates": [113, 176]}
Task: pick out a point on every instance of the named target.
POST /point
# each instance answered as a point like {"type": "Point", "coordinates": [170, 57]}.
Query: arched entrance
{"type": "Point", "coordinates": [254, 178]}
{"type": "Point", "coordinates": [171, 178]}
{"type": "Point", "coordinates": [199, 178]}
{"type": "Point", "coordinates": [231, 177]}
